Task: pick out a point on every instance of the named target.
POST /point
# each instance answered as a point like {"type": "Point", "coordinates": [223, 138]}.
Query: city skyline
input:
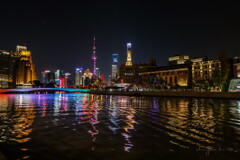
{"type": "Point", "coordinates": [59, 33]}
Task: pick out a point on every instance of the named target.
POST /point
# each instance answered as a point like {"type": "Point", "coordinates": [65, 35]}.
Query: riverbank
{"type": "Point", "coordinates": [190, 94]}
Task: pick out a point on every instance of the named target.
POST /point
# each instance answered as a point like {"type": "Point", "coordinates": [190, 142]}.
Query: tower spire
{"type": "Point", "coordinates": [94, 57]}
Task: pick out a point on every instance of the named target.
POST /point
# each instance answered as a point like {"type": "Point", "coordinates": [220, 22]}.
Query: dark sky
{"type": "Point", "coordinates": [59, 32]}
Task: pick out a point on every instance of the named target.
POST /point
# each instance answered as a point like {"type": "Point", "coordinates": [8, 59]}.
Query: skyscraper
{"type": "Point", "coordinates": [57, 77]}
{"type": "Point", "coordinates": [25, 69]}
{"type": "Point", "coordinates": [87, 76]}
{"type": "Point", "coordinates": [48, 77]}
{"type": "Point", "coordinates": [78, 77]}
{"type": "Point", "coordinates": [68, 79]}
{"type": "Point", "coordinates": [97, 73]}
{"type": "Point", "coordinates": [114, 66]}
{"type": "Point", "coordinates": [129, 54]}
{"type": "Point", "coordinates": [94, 58]}
{"type": "Point", "coordinates": [4, 68]}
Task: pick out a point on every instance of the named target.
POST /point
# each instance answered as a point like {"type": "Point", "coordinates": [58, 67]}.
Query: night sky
{"type": "Point", "coordinates": [60, 32]}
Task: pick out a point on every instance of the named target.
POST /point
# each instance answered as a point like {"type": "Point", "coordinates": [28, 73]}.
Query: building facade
{"type": "Point", "coordinates": [169, 75]}
{"type": "Point", "coordinates": [97, 73]}
{"type": "Point", "coordinates": [133, 74]}
{"type": "Point", "coordinates": [205, 70]}
{"type": "Point", "coordinates": [87, 77]}
{"type": "Point", "coordinates": [4, 68]}
{"type": "Point", "coordinates": [78, 77]}
{"type": "Point", "coordinates": [129, 55]}
{"type": "Point", "coordinates": [26, 72]}
{"type": "Point", "coordinates": [236, 67]}
{"type": "Point", "coordinates": [48, 77]}
{"type": "Point", "coordinates": [178, 59]}
{"type": "Point", "coordinates": [115, 66]}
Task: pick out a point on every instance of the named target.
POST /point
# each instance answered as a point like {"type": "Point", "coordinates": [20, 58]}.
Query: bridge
{"type": "Point", "coordinates": [27, 90]}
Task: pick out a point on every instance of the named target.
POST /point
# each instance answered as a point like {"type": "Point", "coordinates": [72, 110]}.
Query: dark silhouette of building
{"type": "Point", "coordinates": [133, 74]}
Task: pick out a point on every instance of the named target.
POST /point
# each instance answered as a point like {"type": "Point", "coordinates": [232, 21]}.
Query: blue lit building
{"type": "Point", "coordinates": [115, 66]}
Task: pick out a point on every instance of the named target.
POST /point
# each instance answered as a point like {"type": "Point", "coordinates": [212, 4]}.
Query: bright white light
{"type": "Point", "coordinates": [47, 71]}
{"type": "Point", "coordinates": [129, 45]}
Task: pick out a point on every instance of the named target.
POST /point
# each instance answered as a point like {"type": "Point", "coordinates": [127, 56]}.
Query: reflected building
{"type": "Point", "coordinates": [19, 126]}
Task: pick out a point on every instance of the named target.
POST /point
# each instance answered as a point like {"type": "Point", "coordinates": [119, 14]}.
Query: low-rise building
{"type": "Point", "coordinates": [205, 70]}
{"type": "Point", "coordinates": [170, 75]}
{"type": "Point", "coordinates": [133, 74]}
{"type": "Point", "coordinates": [178, 59]}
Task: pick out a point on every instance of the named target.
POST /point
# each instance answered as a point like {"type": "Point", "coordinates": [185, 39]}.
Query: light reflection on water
{"type": "Point", "coordinates": [70, 124]}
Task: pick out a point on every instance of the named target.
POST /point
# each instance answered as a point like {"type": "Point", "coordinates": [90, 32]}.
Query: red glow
{"type": "Point", "coordinates": [102, 77]}
{"type": "Point", "coordinates": [62, 82]}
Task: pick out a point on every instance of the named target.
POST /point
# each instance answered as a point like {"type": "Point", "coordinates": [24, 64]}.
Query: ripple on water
{"type": "Point", "coordinates": [72, 125]}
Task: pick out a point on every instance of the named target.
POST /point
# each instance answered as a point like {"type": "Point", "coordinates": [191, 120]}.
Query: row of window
{"type": "Point", "coordinates": [206, 66]}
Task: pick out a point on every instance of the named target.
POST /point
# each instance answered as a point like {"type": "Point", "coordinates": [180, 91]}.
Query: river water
{"type": "Point", "coordinates": [84, 126]}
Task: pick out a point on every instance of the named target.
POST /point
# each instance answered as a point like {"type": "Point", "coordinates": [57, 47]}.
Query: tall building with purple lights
{"type": "Point", "coordinates": [94, 58]}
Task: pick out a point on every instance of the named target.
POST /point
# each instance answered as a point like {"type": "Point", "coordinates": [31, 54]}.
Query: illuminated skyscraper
{"type": "Point", "coordinates": [57, 77]}
{"type": "Point", "coordinates": [87, 76]}
{"type": "Point", "coordinates": [129, 55]}
{"type": "Point", "coordinates": [115, 66]}
{"type": "Point", "coordinates": [4, 68]}
{"type": "Point", "coordinates": [94, 58]}
{"type": "Point", "coordinates": [97, 73]}
{"type": "Point", "coordinates": [26, 69]}
{"type": "Point", "coordinates": [68, 79]}
{"type": "Point", "coordinates": [48, 76]}
{"type": "Point", "coordinates": [78, 77]}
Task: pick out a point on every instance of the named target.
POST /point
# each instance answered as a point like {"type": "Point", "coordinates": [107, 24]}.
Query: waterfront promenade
{"type": "Point", "coordinates": [190, 94]}
{"type": "Point", "coordinates": [157, 93]}
{"type": "Point", "coordinates": [34, 90]}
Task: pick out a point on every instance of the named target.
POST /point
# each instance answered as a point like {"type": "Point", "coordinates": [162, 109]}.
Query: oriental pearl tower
{"type": "Point", "coordinates": [94, 58]}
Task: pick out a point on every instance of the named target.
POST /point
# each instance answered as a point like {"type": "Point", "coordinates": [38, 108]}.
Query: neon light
{"type": "Point", "coordinates": [43, 89]}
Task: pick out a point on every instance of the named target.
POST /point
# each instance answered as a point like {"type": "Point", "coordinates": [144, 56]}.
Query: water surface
{"type": "Point", "coordinates": [83, 126]}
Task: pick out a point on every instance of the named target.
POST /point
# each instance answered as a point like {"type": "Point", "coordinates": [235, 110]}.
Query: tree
{"type": "Point", "coordinates": [221, 76]}
{"type": "Point", "coordinates": [37, 83]}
